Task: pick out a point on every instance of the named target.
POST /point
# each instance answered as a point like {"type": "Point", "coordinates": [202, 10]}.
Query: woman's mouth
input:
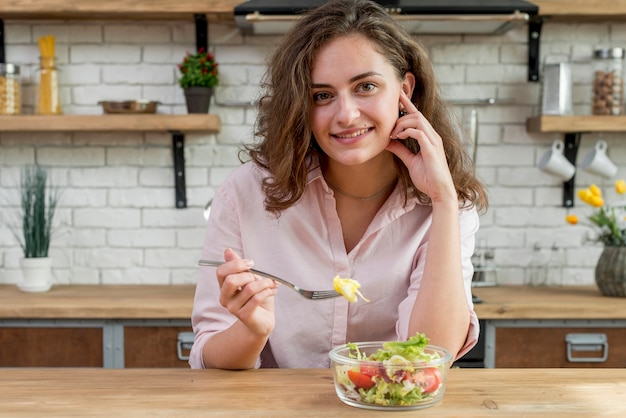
{"type": "Point", "coordinates": [347, 137]}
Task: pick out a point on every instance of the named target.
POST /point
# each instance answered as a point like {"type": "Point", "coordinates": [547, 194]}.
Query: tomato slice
{"type": "Point", "coordinates": [429, 379]}
{"type": "Point", "coordinates": [432, 381]}
{"type": "Point", "coordinates": [360, 380]}
{"type": "Point", "coordinates": [370, 371]}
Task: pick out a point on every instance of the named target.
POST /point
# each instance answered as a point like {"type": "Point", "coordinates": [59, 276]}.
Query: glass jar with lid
{"type": "Point", "coordinates": [10, 89]}
{"type": "Point", "coordinates": [608, 81]}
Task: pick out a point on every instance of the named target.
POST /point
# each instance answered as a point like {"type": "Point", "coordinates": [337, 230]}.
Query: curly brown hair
{"type": "Point", "coordinates": [288, 145]}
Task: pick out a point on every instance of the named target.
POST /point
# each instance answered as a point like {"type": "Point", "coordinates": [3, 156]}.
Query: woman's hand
{"type": "Point", "coordinates": [249, 298]}
{"type": "Point", "coordinates": [428, 168]}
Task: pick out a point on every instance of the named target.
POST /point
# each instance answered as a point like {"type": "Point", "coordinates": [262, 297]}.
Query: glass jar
{"type": "Point", "coordinates": [10, 89]}
{"type": "Point", "coordinates": [48, 99]}
{"type": "Point", "coordinates": [608, 81]}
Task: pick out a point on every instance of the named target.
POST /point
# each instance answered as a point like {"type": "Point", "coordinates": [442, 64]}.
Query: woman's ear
{"type": "Point", "coordinates": [408, 84]}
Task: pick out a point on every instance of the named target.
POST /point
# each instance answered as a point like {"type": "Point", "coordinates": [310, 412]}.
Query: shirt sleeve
{"type": "Point", "coordinates": [208, 316]}
{"type": "Point", "coordinates": [469, 223]}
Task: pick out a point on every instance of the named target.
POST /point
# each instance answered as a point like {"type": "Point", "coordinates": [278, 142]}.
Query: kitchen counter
{"type": "Point", "coordinates": [542, 302]}
{"type": "Point", "coordinates": [99, 302]}
{"type": "Point", "coordinates": [96, 326]}
{"type": "Point", "coordinates": [299, 392]}
{"type": "Point", "coordinates": [570, 326]}
{"type": "Point", "coordinates": [119, 316]}
{"type": "Point", "coordinates": [176, 302]}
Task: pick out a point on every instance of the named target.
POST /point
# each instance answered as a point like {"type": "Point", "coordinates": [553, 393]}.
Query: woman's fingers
{"type": "Point", "coordinates": [405, 100]}
{"type": "Point", "coordinates": [414, 124]}
{"type": "Point", "coordinates": [233, 264]}
{"type": "Point", "coordinates": [246, 296]}
{"type": "Point", "coordinates": [400, 151]}
{"type": "Point", "coordinates": [238, 286]}
{"type": "Point", "coordinates": [244, 289]}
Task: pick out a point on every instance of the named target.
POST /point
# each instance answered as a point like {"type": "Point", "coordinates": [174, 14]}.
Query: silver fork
{"type": "Point", "coordinates": [309, 294]}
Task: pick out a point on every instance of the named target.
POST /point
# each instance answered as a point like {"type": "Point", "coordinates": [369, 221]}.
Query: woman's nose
{"type": "Point", "coordinates": [347, 111]}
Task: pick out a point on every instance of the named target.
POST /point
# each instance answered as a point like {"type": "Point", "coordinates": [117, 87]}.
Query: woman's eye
{"type": "Point", "coordinates": [320, 97]}
{"type": "Point", "coordinates": [367, 87]}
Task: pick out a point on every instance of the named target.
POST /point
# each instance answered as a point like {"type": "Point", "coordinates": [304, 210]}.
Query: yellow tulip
{"type": "Point", "coordinates": [595, 190]}
{"type": "Point", "coordinates": [585, 195]}
{"type": "Point", "coordinates": [620, 186]}
{"type": "Point", "coordinates": [596, 201]}
{"type": "Point", "coordinates": [571, 219]}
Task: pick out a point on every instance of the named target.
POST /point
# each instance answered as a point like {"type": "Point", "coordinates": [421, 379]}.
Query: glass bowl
{"type": "Point", "coordinates": [394, 384]}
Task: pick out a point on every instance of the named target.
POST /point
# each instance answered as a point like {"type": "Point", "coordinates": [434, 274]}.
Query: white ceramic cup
{"type": "Point", "coordinates": [597, 162]}
{"type": "Point", "coordinates": [555, 163]}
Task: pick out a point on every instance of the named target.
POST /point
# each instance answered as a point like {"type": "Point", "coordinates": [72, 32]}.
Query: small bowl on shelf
{"type": "Point", "coordinates": [394, 383]}
{"type": "Point", "coordinates": [129, 106]}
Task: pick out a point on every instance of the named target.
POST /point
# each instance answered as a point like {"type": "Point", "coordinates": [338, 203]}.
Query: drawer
{"type": "Point", "coordinates": [549, 347]}
{"type": "Point", "coordinates": [51, 347]}
{"type": "Point", "coordinates": [154, 346]}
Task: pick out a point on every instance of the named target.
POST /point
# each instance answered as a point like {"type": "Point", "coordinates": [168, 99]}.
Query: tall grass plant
{"type": "Point", "coordinates": [39, 203]}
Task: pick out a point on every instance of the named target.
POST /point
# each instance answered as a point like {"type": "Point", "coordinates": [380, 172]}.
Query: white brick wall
{"type": "Point", "coordinates": [117, 222]}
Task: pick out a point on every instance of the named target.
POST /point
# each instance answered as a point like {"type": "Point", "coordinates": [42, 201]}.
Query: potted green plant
{"type": "Point", "coordinates": [610, 223]}
{"type": "Point", "coordinates": [199, 75]}
{"type": "Point", "coordinates": [38, 205]}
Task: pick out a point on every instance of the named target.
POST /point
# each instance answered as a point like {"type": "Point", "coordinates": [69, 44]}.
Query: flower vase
{"type": "Point", "coordinates": [36, 274]}
{"type": "Point", "coordinates": [198, 99]}
{"type": "Point", "coordinates": [611, 271]}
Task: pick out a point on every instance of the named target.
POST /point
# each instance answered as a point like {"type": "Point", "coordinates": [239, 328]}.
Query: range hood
{"type": "Point", "coordinates": [436, 17]}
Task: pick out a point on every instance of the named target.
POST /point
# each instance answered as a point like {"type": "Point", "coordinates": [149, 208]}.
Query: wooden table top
{"type": "Point", "coordinates": [299, 393]}
{"type": "Point", "coordinates": [176, 302]}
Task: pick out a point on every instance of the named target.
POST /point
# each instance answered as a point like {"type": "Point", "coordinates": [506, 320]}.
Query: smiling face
{"type": "Point", "coordinates": [356, 95]}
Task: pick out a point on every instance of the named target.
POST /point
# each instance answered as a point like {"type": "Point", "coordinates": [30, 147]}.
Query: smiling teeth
{"type": "Point", "coordinates": [355, 134]}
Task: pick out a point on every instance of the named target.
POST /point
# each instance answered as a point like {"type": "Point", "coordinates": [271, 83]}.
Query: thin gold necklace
{"type": "Point", "coordinates": [371, 197]}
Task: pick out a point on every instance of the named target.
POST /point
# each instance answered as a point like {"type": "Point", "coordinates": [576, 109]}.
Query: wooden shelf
{"type": "Point", "coordinates": [582, 10]}
{"type": "Point", "coordinates": [117, 122]}
{"type": "Point", "coordinates": [572, 10]}
{"type": "Point", "coordinates": [576, 124]}
{"type": "Point", "coordinates": [117, 9]}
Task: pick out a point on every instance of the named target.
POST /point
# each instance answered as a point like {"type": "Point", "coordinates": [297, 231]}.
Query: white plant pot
{"type": "Point", "coordinates": [36, 274]}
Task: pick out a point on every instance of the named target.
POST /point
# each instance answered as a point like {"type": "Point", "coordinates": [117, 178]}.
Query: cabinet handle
{"type": "Point", "coordinates": [185, 341]}
{"type": "Point", "coordinates": [587, 342]}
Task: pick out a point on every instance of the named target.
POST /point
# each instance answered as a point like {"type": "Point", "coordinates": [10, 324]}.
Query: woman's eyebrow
{"type": "Point", "coordinates": [352, 80]}
{"type": "Point", "coordinates": [364, 75]}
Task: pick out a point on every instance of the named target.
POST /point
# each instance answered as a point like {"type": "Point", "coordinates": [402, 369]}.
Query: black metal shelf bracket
{"type": "Point", "coordinates": [178, 138]}
{"type": "Point", "coordinates": [178, 150]}
{"type": "Point", "coordinates": [534, 36]}
{"type": "Point", "coordinates": [3, 58]}
{"type": "Point", "coordinates": [202, 33]}
{"type": "Point", "coordinates": [572, 142]}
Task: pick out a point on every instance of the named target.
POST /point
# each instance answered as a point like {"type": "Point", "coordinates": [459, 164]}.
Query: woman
{"type": "Point", "coordinates": [360, 172]}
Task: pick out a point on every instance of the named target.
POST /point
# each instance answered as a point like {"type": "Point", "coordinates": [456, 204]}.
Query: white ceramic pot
{"type": "Point", "coordinates": [36, 274]}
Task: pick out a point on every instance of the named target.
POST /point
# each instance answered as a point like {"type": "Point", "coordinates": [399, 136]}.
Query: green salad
{"type": "Point", "coordinates": [395, 375]}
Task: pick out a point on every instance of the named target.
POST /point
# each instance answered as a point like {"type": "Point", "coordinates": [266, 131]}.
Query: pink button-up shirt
{"type": "Point", "coordinates": [305, 246]}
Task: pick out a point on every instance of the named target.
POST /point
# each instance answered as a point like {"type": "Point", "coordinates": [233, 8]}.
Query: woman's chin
{"type": "Point", "coordinates": [355, 159]}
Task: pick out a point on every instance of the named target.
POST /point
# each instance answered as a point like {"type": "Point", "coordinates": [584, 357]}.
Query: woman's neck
{"type": "Point", "coordinates": [366, 181]}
